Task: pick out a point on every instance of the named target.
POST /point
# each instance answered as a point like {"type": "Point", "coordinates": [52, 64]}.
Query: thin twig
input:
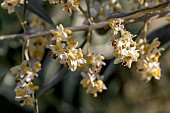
{"type": "Point", "coordinates": [88, 10]}
{"type": "Point", "coordinates": [23, 23]}
{"type": "Point", "coordinates": [86, 27]}
{"type": "Point", "coordinates": [84, 13]}
{"type": "Point", "coordinates": [36, 108]}
{"type": "Point", "coordinates": [140, 12]}
{"type": "Point", "coordinates": [48, 32]}
{"type": "Point", "coordinates": [89, 35]}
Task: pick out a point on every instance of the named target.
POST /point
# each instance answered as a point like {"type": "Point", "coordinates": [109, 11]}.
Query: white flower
{"type": "Point", "coordinates": [125, 49]}
{"type": "Point", "coordinates": [93, 82]}
{"type": "Point", "coordinates": [24, 76]}
{"type": "Point", "coordinates": [95, 62]}
{"type": "Point", "coordinates": [75, 59]}
{"type": "Point", "coordinates": [116, 26]}
{"type": "Point", "coordinates": [148, 65]}
{"type": "Point", "coordinates": [74, 3]}
{"type": "Point", "coordinates": [147, 70]}
{"type": "Point", "coordinates": [71, 5]}
{"type": "Point", "coordinates": [24, 95]}
{"type": "Point", "coordinates": [65, 49]}
{"type": "Point", "coordinates": [61, 33]}
{"type": "Point", "coordinates": [10, 4]}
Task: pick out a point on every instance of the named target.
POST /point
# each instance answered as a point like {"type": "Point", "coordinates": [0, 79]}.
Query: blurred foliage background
{"type": "Point", "coordinates": [126, 93]}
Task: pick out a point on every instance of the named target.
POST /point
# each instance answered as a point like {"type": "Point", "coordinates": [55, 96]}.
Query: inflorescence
{"type": "Point", "coordinates": [64, 48]}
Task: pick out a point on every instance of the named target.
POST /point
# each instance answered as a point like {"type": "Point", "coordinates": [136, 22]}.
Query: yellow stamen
{"type": "Point", "coordinates": [145, 65]}
{"type": "Point", "coordinates": [68, 31]}
{"type": "Point", "coordinates": [57, 34]}
{"type": "Point", "coordinates": [37, 65]}
{"type": "Point", "coordinates": [18, 92]}
{"type": "Point", "coordinates": [71, 55]}
{"type": "Point", "coordinates": [79, 55]}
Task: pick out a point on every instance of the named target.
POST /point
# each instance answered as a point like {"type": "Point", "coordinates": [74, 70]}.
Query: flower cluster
{"type": "Point", "coordinates": [64, 47]}
{"type": "Point", "coordinates": [10, 4]}
{"type": "Point", "coordinates": [24, 76]}
{"type": "Point", "coordinates": [148, 64]}
{"type": "Point", "coordinates": [124, 48]}
{"type": "Point", "coordinates": [91, 78]}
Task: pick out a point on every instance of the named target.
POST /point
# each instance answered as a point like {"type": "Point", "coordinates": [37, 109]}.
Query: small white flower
{"type": "Point", "coordinates": [124, 49]}
{"type": "Point", "coordinates": [116, 26]}
{"type": "Point", "coordinates": [64, 48]}
{"type": "Point", "coordinates": [75, 59]}
{"type": "Point", "coordinates": [148, 64]}
{"type": "Point", "coordinates": [24, 75]}
{"type": "Point", "coordinates": [10, 4]}
{"type": "Point", "coordinates": [24, 95]}
{"type": "Point", "coordinates": [92, 81]}
{"type": "Point", "coordinates": [96, 62]}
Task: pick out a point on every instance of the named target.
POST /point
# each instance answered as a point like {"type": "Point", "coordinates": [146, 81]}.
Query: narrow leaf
{"type": "Point", "coordinates": [36, 7]}
{"type": "Point", "coordinates": [25, 1]}
{"type": "Point", "coordinates": [140, 12]}
{"type": "Point", "coordinates": [54, 81]}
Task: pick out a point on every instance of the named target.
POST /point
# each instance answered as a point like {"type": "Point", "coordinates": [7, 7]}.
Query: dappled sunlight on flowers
{"type": "Point", "coordinates": [148, 65]}
{"type": "Point", "coordinates": [24, 77]}
{"type": "Point", "coordinates": [125, 50]}
{"type": "Point", "coordinates": [92, 80]}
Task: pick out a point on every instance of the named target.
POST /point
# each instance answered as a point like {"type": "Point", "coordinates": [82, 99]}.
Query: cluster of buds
{"type": "Point", "coordinates": [148, 64]}
{"type": "Point", "coordinates": [10, 5]}
{"type": "Point", "coordinates": [69, 6]}
{"type": "Point", "coordinates": [37, 45]}
{"type": "Point", "coordinates": [124, 48]}
{"type": "Point", "coordinates": [101, 10]}
{"type": "Point", "coordinates": [91, 78]}
{"type": "Point", "coordinates": [64, 48]}
{"type": "Point", "coordinates": [24, 76]}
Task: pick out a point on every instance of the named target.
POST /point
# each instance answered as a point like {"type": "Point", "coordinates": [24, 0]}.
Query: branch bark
{"type": "Point", "coordinates": [130, 17]}
{"type": "Point", "coordinates": [48, 32]}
